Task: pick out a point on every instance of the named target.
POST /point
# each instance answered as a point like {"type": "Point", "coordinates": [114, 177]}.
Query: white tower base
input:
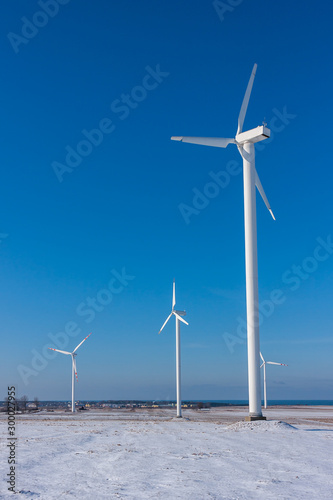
{"type": "Point", "coordinates": [253, 347]}
{"type": "Point", "coordinates": [73, 390]}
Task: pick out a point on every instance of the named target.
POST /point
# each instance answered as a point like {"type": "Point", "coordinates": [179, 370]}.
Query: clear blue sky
{"type": "Point", "coordinates": [180, 68]}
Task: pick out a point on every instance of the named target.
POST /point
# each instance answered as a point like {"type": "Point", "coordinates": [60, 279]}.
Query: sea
{"type": "Point", "coordinates": [216, 402]}
{"type": "Point", "coordinates": [271, 402]}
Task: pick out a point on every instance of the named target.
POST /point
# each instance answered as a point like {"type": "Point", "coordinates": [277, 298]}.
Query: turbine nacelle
{"type": "Point", "coordinates": [254, 135]}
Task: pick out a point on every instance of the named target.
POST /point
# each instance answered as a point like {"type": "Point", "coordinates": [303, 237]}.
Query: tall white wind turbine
{"type": "Point", "coordinates": [74, 372]}
{"type": "Point", "coordinates": [245, 143]}
{"type": "Point", "coordinates": [264, 363]}
{"type": "Point", "coordinates": [178, 315]}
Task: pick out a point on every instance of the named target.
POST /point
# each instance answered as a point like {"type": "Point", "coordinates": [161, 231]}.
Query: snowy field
{"type": "Point", "coordinates": [152, 455]}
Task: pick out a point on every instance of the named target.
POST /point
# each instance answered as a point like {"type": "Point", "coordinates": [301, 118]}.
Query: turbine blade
{"type": "Point", "coordinates": [245, 102]}
{"type": "Point", "coordinates": [74, 368]}
{"type": "Point", "coordinates": [262, 194]}
{"type": "Point", "coordinates": [272, 363]}
{"type": "Point", "coordinates": [262, 365]}
{"type": "Point", "coordinates": [165, 322]}
{"type": "Point", "coordinates": [180, 318]}
{"type": "Point", "coordinates": [63, 352]}
{"type": "Point", "coordinates": [262, 357]}
{"type": "Point", "coordinates": [174, 295]}
{"type": "Point", "coordinates": [76, 348]}
{"type": "Point", "coordinates": [216, 142]}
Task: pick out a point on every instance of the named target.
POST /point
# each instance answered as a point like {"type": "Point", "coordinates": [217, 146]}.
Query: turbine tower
{"type": "Point", "coordinates": [264, 363]}
{"type": "Point", "coordinates": [245, 143]}
{"type": "Point", "coordinates": [178, 315]}
{"type": "Point", "coordinates": [74, 372]}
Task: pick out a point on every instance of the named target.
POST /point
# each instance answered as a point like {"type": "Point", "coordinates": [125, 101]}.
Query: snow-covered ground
{"type": "Point", "coordinates": [152, 455]}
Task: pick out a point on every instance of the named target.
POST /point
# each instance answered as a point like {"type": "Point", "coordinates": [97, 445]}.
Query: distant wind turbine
{"type": "Point", "coordinates": [264, 363]}
{"type": "Point", "coordinates": [245, 143]}
{"type": "Point", "coordinates": [178, 315]}
{"type": "Point", "coordinates": [74, 372]}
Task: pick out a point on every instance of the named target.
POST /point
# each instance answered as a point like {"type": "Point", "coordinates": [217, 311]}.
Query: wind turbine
{"type": "Point", "coordinates": [264, 363]}
{"type": "Point", "coordinates": [245, 143]}
{"type": "Point", "coordinates": [178, 315]}
{"type": "Point", "coordinates": [74, 372]}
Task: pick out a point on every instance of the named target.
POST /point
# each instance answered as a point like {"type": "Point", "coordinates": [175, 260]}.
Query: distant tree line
{"type": "Point", "coordinates": [21, 404]}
